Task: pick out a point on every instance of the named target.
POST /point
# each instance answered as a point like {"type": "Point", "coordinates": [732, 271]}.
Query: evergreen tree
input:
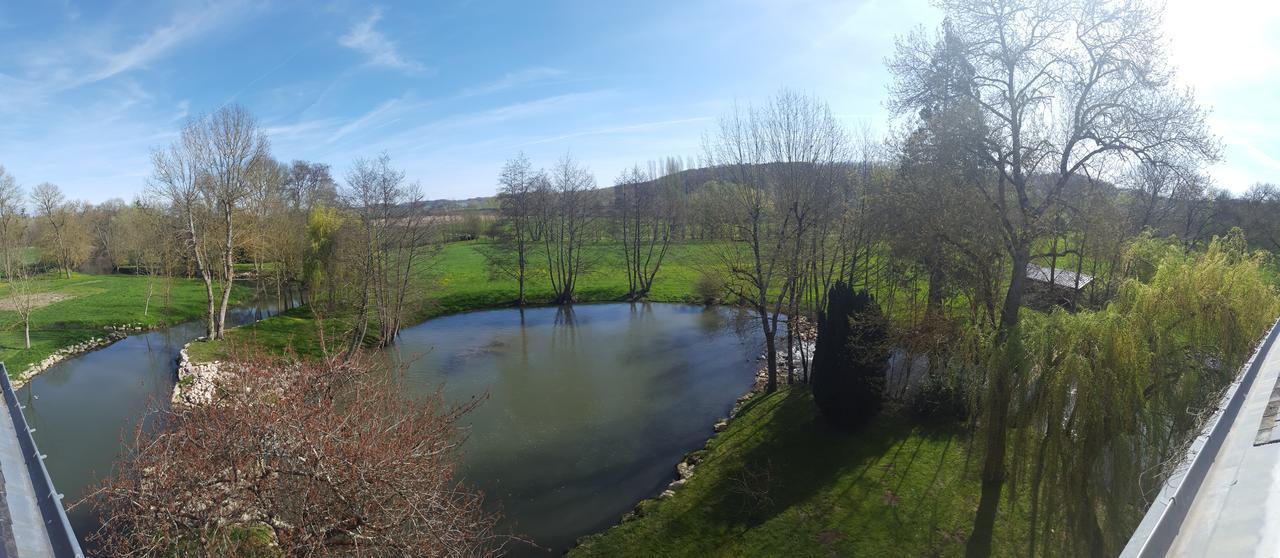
{"type": "Point", "coordinates": [850, 359]}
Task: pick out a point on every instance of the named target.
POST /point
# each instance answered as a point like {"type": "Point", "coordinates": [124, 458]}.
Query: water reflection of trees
{"type": "Point", "coordinates": [565, 333]}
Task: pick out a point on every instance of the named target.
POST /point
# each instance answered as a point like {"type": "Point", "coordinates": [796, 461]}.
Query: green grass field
{"type": "Point", "coordinates": [82, 306]}
{"type": "Point", "coordinates": [777, 482]}
{"type": "Point", "coordinates": [459, 280]}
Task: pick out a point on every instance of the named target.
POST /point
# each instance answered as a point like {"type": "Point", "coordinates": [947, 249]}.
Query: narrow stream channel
{"type": "Point", "coordinates": [589, 408]}
{"type": "Point", "coordinates": [83, 406]}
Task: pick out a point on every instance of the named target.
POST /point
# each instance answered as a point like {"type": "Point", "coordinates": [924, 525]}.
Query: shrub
{"type": "Point", "coordinates": [850, 359]}
{"type": "Point", "coordinates": [942, 397]}
{"type": "Point", "coordinates": [710, 287]}
{"type": "Point", "coordinates": [326, 454]}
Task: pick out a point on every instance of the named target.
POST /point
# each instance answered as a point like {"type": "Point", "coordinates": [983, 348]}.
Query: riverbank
{"type": "Point", "coordinates": [91, 344]}
{"type": "Point", "coordinates": [776, 481]}
{"type": "Point", "coordinates": [89, 312]}
{"type": "Point", "coordinates": [197, 382]}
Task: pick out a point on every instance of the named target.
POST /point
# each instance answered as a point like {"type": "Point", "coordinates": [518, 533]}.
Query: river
{"type": "Point", "coordinates": [588, 408]}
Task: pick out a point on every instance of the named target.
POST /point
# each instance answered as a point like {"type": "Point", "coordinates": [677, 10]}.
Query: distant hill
{"type": "Point", "coordinates": [692, 180]}
{"type": "Point", "coordinates": [445, 206]}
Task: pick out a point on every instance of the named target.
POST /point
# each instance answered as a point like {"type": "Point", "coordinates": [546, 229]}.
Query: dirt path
{"type": "Point", "coordinates": [41, 300]}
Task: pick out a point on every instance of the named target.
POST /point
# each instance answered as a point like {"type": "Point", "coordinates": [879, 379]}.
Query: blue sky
{"type": "Point", "coordinates": [451, 89]}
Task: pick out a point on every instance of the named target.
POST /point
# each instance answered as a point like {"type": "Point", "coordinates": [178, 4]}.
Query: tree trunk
{"type": "Point", "coordinates": [151, 288]}
{"type": "Point", "coordinates": [997, 397]}
{"type": "Point", "coordinates": [770, 351]}
{"type": "Point", "coordinates": [520, 263]}
{"type": "Point", "coordinates": [1037, 476]}
{"type": "Point", "coordinates": [229, 272]}
{"type": "Point", "coordinates": [933, 301]}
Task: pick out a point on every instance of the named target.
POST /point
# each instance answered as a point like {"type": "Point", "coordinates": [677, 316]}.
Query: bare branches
{"type": "Point", "coordinates": [12, 200]}
{"type": "Point", "coordinates": [783, 164]}
{"type": "Point", "coordinates": [520, 190]}
{"type": "Point", "coordinates": [65, 236]}
{"type": "Point", "coordinates": [205, 175]}
{"type": "Point", "coordinates": [395, 232]}
{"type": "Point", "coordinates": [322, 459]}
{"type": "Point", "coordinates": [567, 220]}
{"type": "Point", "coordinates": [647, 205]}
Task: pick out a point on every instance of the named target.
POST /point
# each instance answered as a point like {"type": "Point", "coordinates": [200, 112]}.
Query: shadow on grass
{"type": "Point", "coordinates": [890, 480]}
{"type": "Point", "coordinates": [788, 457]}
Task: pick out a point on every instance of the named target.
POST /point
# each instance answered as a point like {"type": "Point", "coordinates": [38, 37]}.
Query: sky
{"type": "Point", "coordinates": [452, 89]}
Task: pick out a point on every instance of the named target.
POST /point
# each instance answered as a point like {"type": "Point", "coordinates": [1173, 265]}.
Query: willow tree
{"type": "Point", "coordinates": [1105, 413]}
{"type": "Point", "coordinates": [1060, 88]}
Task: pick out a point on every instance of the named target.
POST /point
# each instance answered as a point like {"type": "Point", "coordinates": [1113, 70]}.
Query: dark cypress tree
{"type": "Point", "coordinates": [850, 359]}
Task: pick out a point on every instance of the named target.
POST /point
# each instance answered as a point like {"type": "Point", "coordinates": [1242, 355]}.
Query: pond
{"type": "Point", "coordinates": [588, 408]}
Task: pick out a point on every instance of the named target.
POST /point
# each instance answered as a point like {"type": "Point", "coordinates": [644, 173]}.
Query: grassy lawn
{"type": "Point", "coordinates": [459, 280]}
{"type": "Point", "coordinates": [84, 304]}
{"type": "Point", "coordinates": [778, 483]}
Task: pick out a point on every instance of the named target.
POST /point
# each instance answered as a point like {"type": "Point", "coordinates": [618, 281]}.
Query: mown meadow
{"type": "Point", "coordinates": [75, 310]}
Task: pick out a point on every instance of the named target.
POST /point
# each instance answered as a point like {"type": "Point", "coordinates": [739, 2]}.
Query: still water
{"type": "Point", "coordinates": [588, 408]}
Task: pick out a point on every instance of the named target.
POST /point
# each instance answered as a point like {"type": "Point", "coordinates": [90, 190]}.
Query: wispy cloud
{"type": "Point", "coordinates": [368, 117]}
{"type": "Point", "coordinates": [514, 79]}
{"type": "Point", "coordinates": [412, 139]}
{"type": "Point", "coordinates": [58, 66]}
{"type": "Point", "coordinates": [625, 129]}
{"type": "Point", "coordinates": [530, 108]}
{"type": "Point", "coordinates": [304, 130]}
{"type": "Point", "coordinates": [186, 25]}
{"type": "Point", "coordinates": [364, 38]}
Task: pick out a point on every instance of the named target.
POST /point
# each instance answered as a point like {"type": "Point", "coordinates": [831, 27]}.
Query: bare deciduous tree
{"type": "Point", "coordinates": [567, 220]}
{"type": "Point", "coordinates": [25, 299]}
{"type": "Point", "coordinates": [519, 190]}
{"type": "Point", "coordinates": [781, 161]}
{"type": "Point", "coordinates": [52, 205]}
{"type": "Point", "coordinates": [177, 171]}
{"type": "Point", "coordinates": [233, 146]}
{"type": "Point", "coordinates": [395, 233]}
{"type": "Point", "coordinates": [1262, 204]}
{"type": "Point", "coordinates": [205, 176]}
{"type": "Point", "coordinates": [647, 204]}
{"type": "Point", "coordinates": [12, 202]}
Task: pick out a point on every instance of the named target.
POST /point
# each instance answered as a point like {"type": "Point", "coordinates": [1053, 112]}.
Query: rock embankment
{"type": "Point", "coordinates": [126, 328]}
{"type": "Point", "coordinates": [198, 382]}
{"type": "Point", "coordinates": [805, 340]}
{"type": "Point", "coordinates": [90, 344]}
